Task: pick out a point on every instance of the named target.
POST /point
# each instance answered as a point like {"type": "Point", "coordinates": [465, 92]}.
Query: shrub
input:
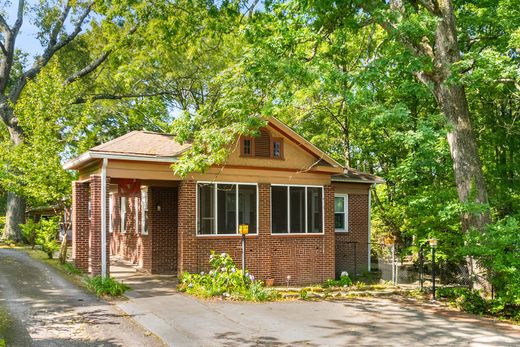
{"type": "Point", "coordinates": [29, 231]}
{"type": "Point", "coordinates": [344, 281]}
{"type": "Point", "coordinates": [498, 250]}
{"type": "Point", "coordinates": [225, 280]}
{"type": "Point", "coordinates": [105, 286]}
{"type": "Point", "coordinates": [43, 233]}
{"type": "Point", "coordinates": [46, 236]}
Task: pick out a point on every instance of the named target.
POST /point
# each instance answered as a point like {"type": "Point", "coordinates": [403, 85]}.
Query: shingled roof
{"type": "Point", "coordinates": [356, 176]}
{"type": "Point", "coordinates": [143, 143]}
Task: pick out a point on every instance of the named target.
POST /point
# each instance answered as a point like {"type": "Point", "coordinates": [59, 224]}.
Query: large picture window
{"type": "Point", "coordinates": [222, 207]}
{"type": "Point", "coordinates": [341, 213]}
{"type": "Point", "coordinates": [296, 209]}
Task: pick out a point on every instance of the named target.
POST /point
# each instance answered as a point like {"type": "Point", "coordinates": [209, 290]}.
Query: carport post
{"type": "Point", "coordinates": [104, 218]}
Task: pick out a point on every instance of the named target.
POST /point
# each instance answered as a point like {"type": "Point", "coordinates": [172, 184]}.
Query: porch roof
{"type": "Point", "coordinates": [355, 176]}
{"type": "Point", "coordinates": [136, 145]}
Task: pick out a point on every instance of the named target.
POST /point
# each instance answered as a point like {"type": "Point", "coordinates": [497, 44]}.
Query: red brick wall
{"type": "Point", "coordinates": [306, 258]}
{"type": "Point", "coordinates": [352, 246]}
{"type": "Point", "coordinates": [80, 225]}
{"type": "Point", "coordinates": [163, 229]}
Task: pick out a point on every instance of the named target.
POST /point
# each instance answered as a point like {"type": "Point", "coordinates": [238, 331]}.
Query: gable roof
{"type": "Point", "coordinates": [159, 147]}
{"type": "Point", "coordinates": [303, 143]}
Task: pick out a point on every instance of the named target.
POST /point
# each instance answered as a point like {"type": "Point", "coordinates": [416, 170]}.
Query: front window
{"type": "Point", "coordinates": [123, 207]}
{"type": "Point", "coordinates": [223, 207]}
{"type": "Point", "coordinates": [341, 213]}
{"type": "Point", "coordinates": [111, 212]}
{"type": "Point", "coordinates": [144, 211]}
{"type": "Point", "coordinates": [136, 208]}
{"type": "Point", "coordinates": [296, 209]}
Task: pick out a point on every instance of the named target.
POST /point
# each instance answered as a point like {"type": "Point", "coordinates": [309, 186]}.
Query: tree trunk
{"type": "Point", "coordinates": [451, 97]}
{"type": "Point", "coordinates": [15, 215]}
{"type": "Point", "coordinates": [15, 211]}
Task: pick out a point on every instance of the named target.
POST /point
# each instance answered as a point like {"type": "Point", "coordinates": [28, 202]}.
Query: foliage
{"type": "Point", "coordinates": [465, 299]}
{"type": "Point", "coordinates": [2, 225]}
{"type": "Point", "coordinates": [105, 286]}
{"type": "Point", "coordinates": [498, 250]}
{"type": "Point", "coordinates": [71, 269]}
{"type": "Point", "coordinates": [225, 280]}
{"type": "Point", "coordinates": [343, 281]}
{"type": "Point", "coordinates": [43, 233]}
{"type": "Point", "coordinates": [29, 232]}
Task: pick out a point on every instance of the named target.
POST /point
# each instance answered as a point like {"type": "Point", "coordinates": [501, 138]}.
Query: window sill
{"type": "Point", "coordinates": [342, 231]}
{"type": "Point", "coordinates": [299, 235]}
{"type": "Point", "coordinates": [226, 236]}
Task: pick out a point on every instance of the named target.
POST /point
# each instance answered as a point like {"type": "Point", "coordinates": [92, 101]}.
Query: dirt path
{"type": "Point", "coordinates": [40, 308]}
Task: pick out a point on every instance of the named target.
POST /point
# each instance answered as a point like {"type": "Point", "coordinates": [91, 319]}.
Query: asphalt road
{"type": "Point", "coordinates": [40, 308]}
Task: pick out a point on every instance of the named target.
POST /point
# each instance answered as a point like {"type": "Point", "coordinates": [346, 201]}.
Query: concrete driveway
{"type": "Point", "coordinates": [38, 307]}
{"type": "Point", "coordinates": [181, 320]}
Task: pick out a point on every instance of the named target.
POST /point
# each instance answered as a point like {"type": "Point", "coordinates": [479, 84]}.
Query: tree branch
{"type": "Point", "coordinates": [95, 97]}
{"type": "Point", "coordinates": [3, 24]}
{"type": "Point", "coordinates": [87, 69]}
{"type": "Point", "coordinates": [49, 52]}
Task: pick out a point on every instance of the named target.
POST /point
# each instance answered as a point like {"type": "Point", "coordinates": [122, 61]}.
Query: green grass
{"type": "Point", "coordinates": [105, 286]}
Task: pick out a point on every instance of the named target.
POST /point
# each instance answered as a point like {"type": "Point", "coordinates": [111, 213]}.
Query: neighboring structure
{"type": "Point", "coordinates": [302, 207]}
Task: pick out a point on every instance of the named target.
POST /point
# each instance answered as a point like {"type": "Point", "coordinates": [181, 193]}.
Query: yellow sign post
{"type": "Point", "coordinates": [243, 229]}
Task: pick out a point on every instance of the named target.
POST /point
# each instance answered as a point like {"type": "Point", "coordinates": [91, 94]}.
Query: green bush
{"type": "Point", "coordinates": [105, 286]}
{"type": "Point", "coordinates": [344, 281]}
{"type": "Point", "coordinates": [2, 225]}
{"type": "Point", "coordinates": [225, 280]}
{"type": "Point", "coordinates": [29, 231]}
{"type": "Point", "coordinates": [43, 233]}
{"type": "Point", "coordinates": [498, 250]}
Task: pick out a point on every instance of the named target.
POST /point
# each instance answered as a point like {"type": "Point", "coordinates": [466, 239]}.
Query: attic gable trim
{"type": "Point", "coordinates": [90, 155]}
{"type": "Point", "coordinates": [305, 145]}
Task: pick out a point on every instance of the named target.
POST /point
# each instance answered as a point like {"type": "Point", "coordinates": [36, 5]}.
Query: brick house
{"type": "Point", "coordinates": [303, 209]}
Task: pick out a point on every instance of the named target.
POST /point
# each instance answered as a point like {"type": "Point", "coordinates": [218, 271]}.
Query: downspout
{"type": "Point", "coordinates": [104, 218]}
{"type": "Point", "coordinates": [370, 225]}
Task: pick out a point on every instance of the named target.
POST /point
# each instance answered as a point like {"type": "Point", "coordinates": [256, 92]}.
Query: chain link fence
{"type": "Point", "coordinates": [414, 270]}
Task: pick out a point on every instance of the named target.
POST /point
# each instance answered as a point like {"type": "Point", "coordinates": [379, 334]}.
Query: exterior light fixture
{"type": "Point", "coordinates": [158, 206]}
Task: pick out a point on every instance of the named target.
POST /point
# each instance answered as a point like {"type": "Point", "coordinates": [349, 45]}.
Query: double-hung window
{"type": "Point", "coordinates": [111, 212]}
{"type": "Point", "coordinates": [222, 207]}
{"type": "Point", "coordinates": [341, 213]}
{"type": "Point", "coordinates": [136, 211]}
{"type": "Point", "coordinates": [296, 209]}
{"type": "Point", "coordinates": [144, 211]}
{"type": "Point", "coordinates": [123, 209]}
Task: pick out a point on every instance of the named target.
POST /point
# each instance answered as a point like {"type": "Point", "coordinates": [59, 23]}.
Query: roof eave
{"type": "Point", "coordinates": [78, 162]}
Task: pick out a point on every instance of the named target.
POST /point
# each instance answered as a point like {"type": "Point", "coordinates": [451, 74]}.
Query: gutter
{"type": "Point", "coordinates": [87, 156]}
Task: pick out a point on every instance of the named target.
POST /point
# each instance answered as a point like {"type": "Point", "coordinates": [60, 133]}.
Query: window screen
{"type": "Point", "coordinates": [206, 209]}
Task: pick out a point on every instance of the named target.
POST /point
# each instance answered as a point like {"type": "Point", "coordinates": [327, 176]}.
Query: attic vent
{"type": "Point", "coordinates": [263, 144]}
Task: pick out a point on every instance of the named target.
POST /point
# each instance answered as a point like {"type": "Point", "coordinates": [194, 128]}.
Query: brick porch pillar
{"type": "Point", "coordinates": [264, 230]}
{"type": "Point", "coordinates": [95, 226]}
{"type": "Point", "coordinates": [330, 234]}
{"type": "Point", "coordinates": [80, 225]}
{"type": "Point", "coordinates": [187, 240]}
